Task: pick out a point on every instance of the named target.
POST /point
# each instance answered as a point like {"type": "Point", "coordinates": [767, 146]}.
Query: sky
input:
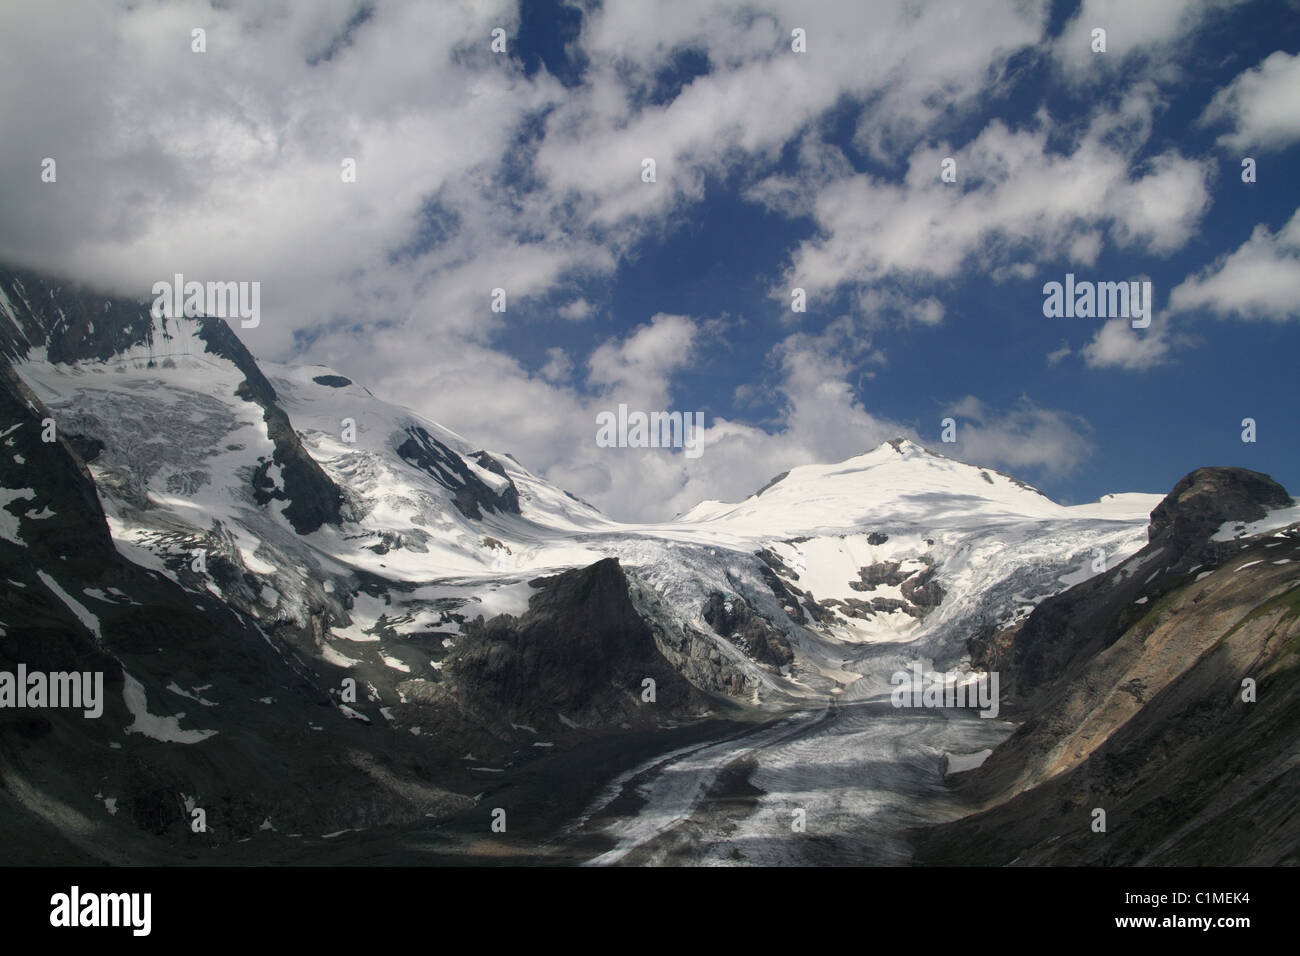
{"type": "Point", "coordinates": [775, 169]}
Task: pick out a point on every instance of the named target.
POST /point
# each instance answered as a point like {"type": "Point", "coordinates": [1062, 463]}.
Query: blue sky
{"type": "Point", "coordinates": [775, 169]}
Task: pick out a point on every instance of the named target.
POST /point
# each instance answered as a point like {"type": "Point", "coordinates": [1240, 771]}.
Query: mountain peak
{"type": "Point", "coordinates": [903, 446]}
{"type": "Point", "coordinates": [1207, 497]}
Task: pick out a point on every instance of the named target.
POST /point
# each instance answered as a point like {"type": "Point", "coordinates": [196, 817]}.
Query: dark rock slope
{"type": "Point", "coordinates": [739, 623]}
{"type": "Point", "coordinates": [472, 496]}
{"type": "Point", "coordinates": [580, 656]}
{"type": "Point", "coordinates": [1133, 689]}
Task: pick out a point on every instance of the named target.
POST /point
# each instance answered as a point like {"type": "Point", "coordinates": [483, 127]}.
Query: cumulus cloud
{"type": "Point", "coordinates": [1133, 30]}
{"type": "Point", "coordinates": [1027, 436]}
{"type": "Point", "coordinates": [576, 310]}
{"type": "Point", "coordinates": [879, 303]}
{"type": "Point", "coordinates": [473, 174]}
{"type": "Point", "coordinates": [1262, 105]}
{"type": "Point", "coordinates": [638, 368]}
{"type": "Point", "coordinates": [558, 365]}
{"type": "Point", "coordinates": [1118, 345]}
{"type": "Point", "coordinates": [1259, 280]}
{"type": "Point", "coordinates": [1023, 200]}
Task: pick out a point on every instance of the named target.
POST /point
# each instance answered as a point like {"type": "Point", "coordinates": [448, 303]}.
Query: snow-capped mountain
{"type": "Point", "coordinates": [297, 496]}
{"type": "Point", "coordinates": [440, 596]}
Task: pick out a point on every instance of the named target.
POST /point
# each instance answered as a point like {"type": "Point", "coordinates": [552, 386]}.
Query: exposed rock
{"type": "Point", "coordinates": [1137, 708]}
{"type": "Point", "coordinates": [921, 588]}
{"type": "Point", "coordinates": [1207, 498]}
{"type": "Point", "coordinates": [332, 381]}
{"type": "Point", "coordinates": [75, 324]}
{"type": "Point", "coordinates": [262, 761]}
{"type": "Point", "coordinates": [1074, 626]}
{"type": "Point", "coordinates": [771, 482]}
{"type": "Point", "coordinates": [739, 623]}
{"type": "Point", "coordinates": [471, 494]}
{"type": "Point", "coordinates": [86, 447]}
{"type": "Point", "coordinates": [60, 484]}
{"type": "Point", "coordinates": [580, 651]}
{"type": "Point", "coordinates": [883, 572]}
{"type": "Point", "coordinates": [313, 498]}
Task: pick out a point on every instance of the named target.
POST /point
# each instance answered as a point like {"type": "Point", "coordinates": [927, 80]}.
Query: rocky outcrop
{"type": "Point", "coordinates": [1071, 628]}
{"type": "Point", "coordinates": [1137, 691]}
{"type": "Point", "coordinates": [313, 499]}
{"type": "Point", "coordinates": [54, 484]}
{"type": "Point", "coordinates": [174, 661]}
{"type": "Point", "coordinates": [1208, 498]}
{"type": "Point", "coordinates": [580, 655]}
{"type": "Point", "coordinates": [332, 381]}
{"type": "Point", "coordinates": [471, 494]}
{"type": "Point", "coordinates": [72, 322]}
{"type": "Point", "coordinates": [739, 623]}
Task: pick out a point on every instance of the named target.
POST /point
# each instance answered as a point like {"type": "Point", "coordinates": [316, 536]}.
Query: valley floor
{"type": "Point", "coordinates": [838, 784]}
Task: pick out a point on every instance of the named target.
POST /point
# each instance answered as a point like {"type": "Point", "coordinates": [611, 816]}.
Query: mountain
{"type": "Point", "coordinates": [319, 612]}
{"type": "Point", "coordinates": [1162, 692]}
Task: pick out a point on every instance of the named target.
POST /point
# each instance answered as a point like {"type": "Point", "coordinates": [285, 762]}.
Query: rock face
{"type": "Point", "coordinates": [472, 494]}
{"type": "Point", "coordinates": [314, 499]}
{"type": "Point", "coordinates": [71, 322]}
{"type": "Point", "coordinates": [1207, 498]}
{"type": "Point", "coordinates": [921, 593]}
{"type": "Point", "coordinates": [739, 623]}
{"type": "Point", "coordinates": [58, 484]}
{"type": "Point", "coordinates": [1132, 691]}
{"type": "Point", "coordinates": [581, 653]}
{"type": "Point", "coordinates": [333, 381]}
{"type": "Point", "coordinates": [1076, 625]}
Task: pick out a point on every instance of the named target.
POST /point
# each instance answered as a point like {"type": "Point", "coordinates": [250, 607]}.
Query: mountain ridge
{"type": "Point", "coordinates": [439, 599]}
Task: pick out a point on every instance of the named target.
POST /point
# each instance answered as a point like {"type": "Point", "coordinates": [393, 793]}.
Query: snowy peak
{"type": "Point", "coordinates": [902, 446]}
{"type": "Point", "coordinates": [897, 480]}
{"type": "Point", "coordinates": [62, 337]}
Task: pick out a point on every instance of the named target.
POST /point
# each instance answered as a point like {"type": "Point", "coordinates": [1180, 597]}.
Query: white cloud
{"type": "Point", "coordinates": [1143, 28]}
{"type": "Point", "coordinates": [558, 365]}
{"type": "Point", "coordinates": [1027, 436]}
{"type": "Point", "coordinates": [638, 368]}
{"type": "Point", "coordinates": [1019, 199]}
{"type": "Point", "coordinates": [877, 303]}
{"type": "Point", "coordinates": [473, 176]}
{"type": "Point", "coordinates": [1262, 105]}
{"type": "Point", "coordinates": [1259, 280]}
{"type": "Point", "coordinates": [1118, 345]}
{"type": "Point", "coordinates": [576, 310]}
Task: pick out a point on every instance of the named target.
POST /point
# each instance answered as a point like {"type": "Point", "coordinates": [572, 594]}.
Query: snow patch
{"type": "Point", "coordinates": [76, 607]}
{"type": "Point", "coordinates": [957, 763]}
{"type": "Point", "coordinates": [166, 729]}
